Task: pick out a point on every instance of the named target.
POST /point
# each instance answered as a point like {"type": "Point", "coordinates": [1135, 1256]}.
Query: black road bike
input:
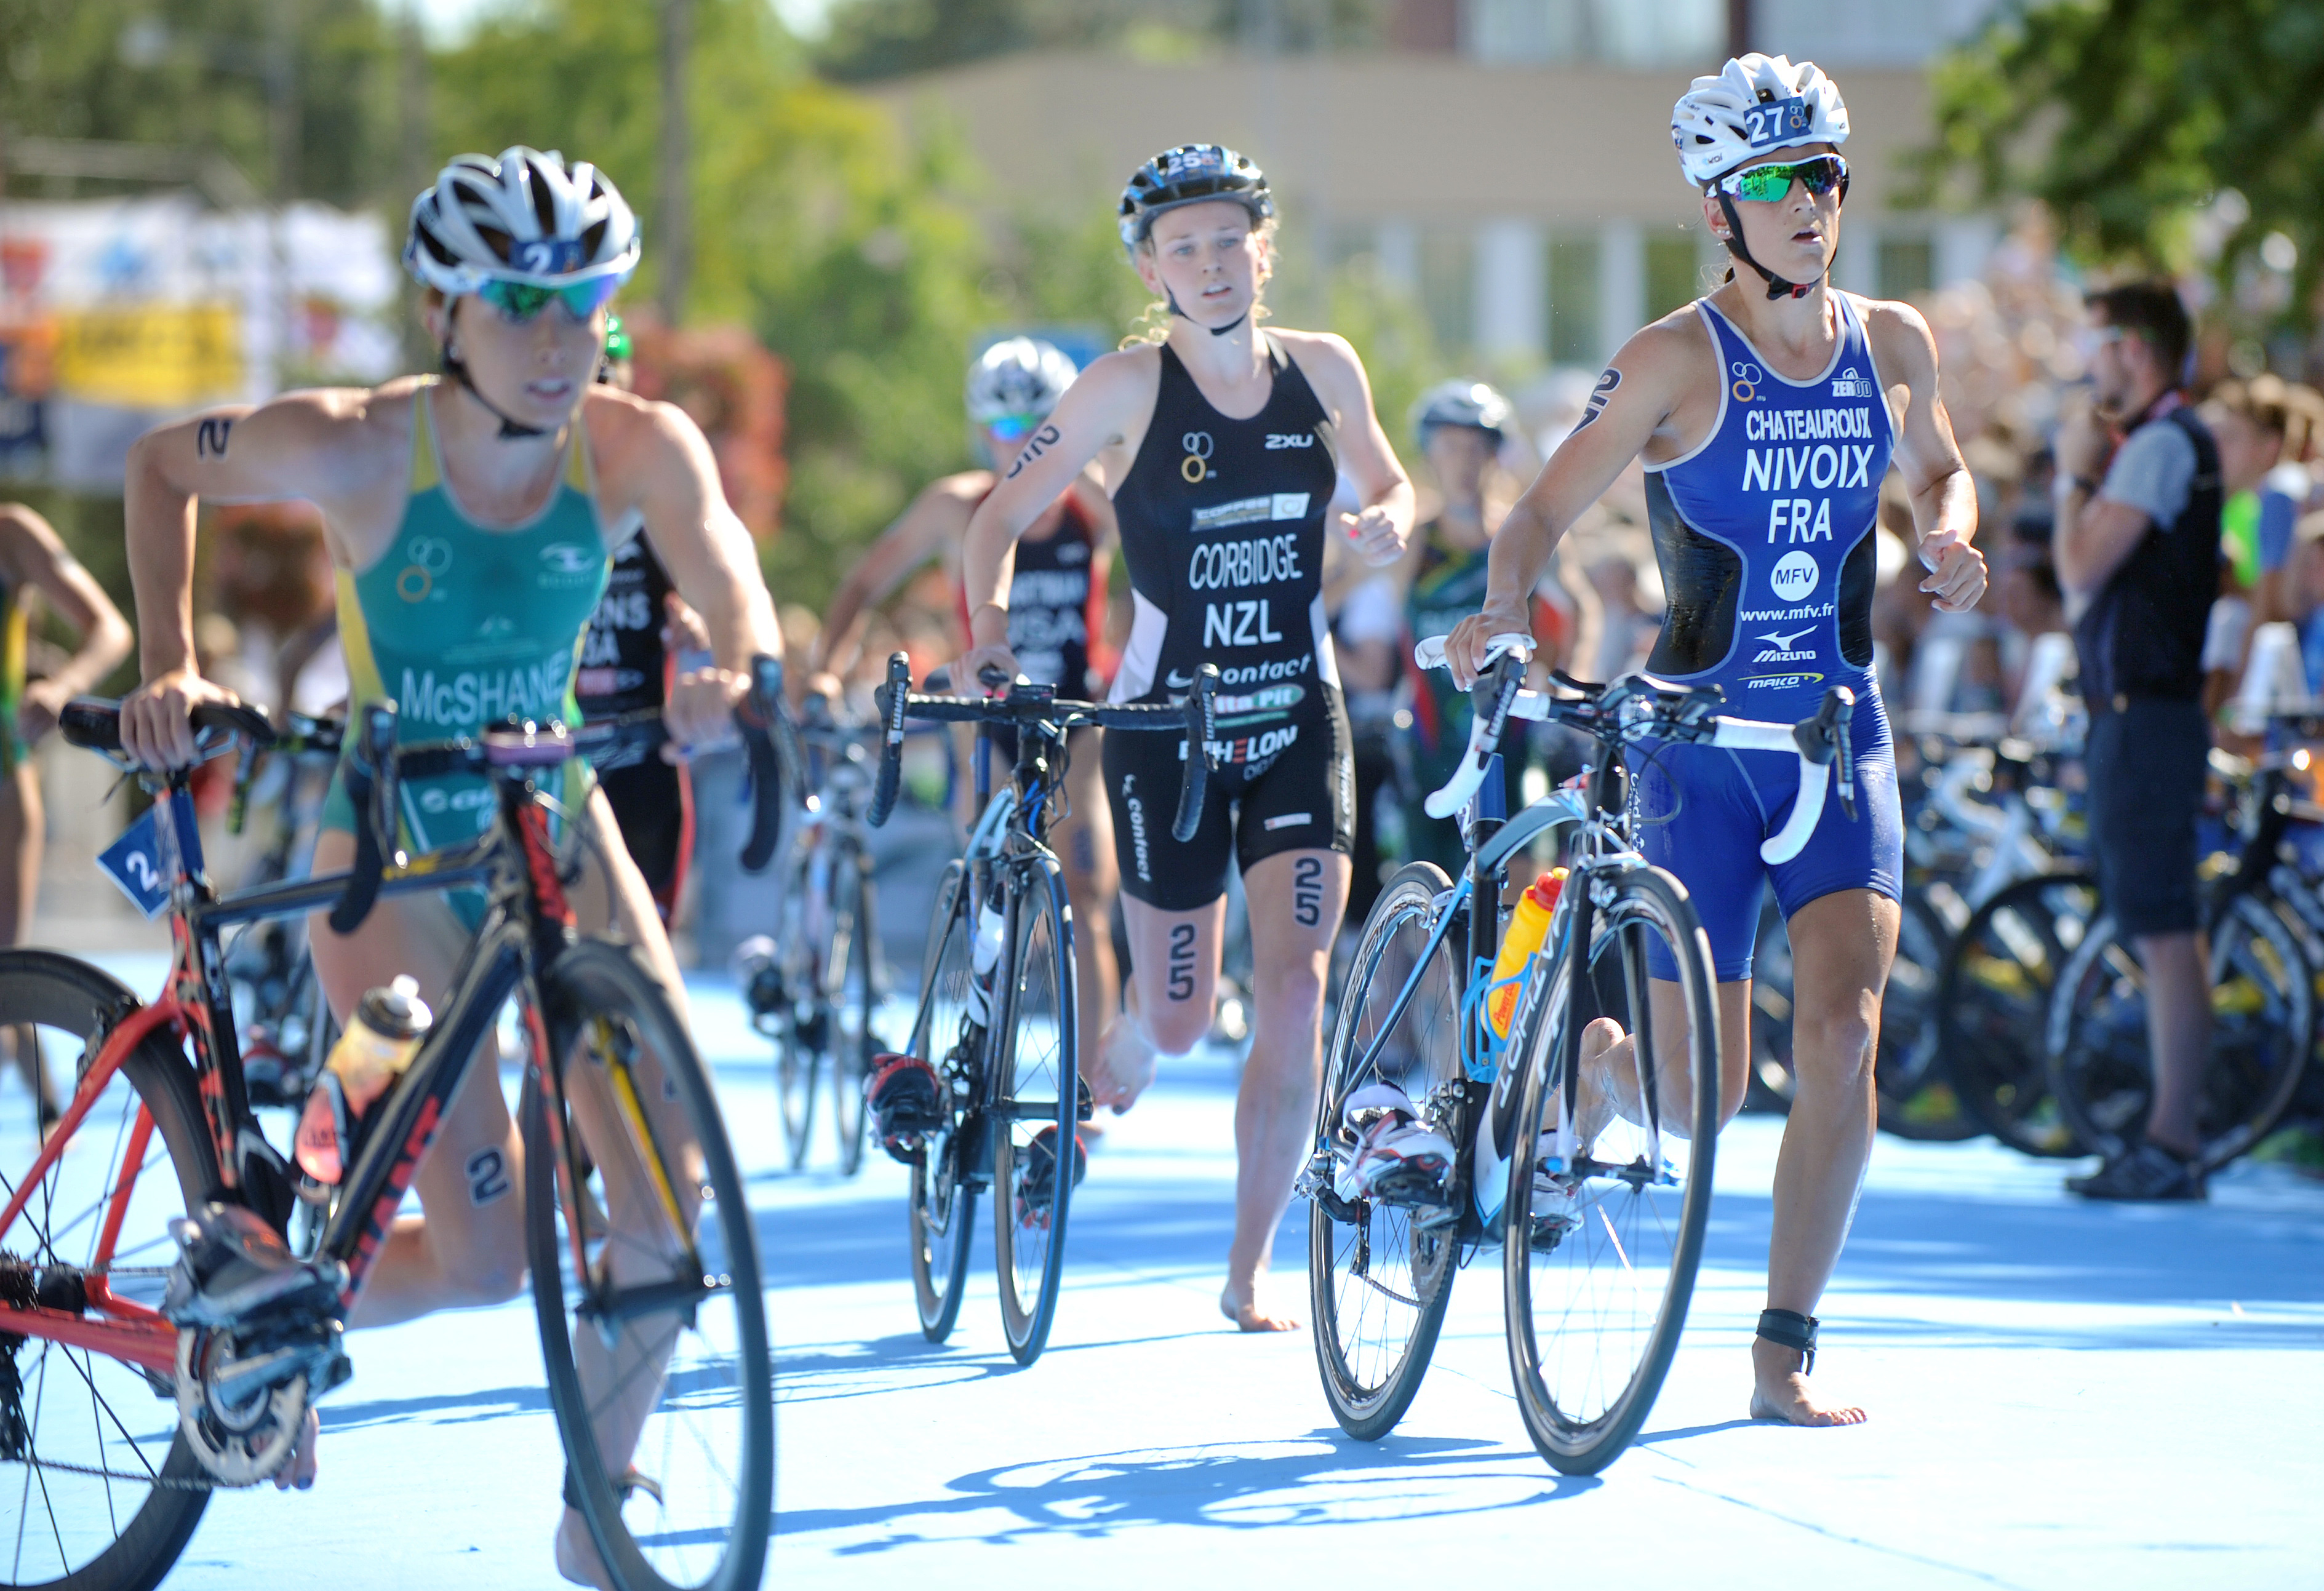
{"type": "Point", "coordinates": [997, 1014]}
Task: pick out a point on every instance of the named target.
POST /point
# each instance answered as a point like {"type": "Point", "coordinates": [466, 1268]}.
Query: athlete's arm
{"type": "Point", "coordinates": [35, 556]}
{"type": "Point", "coordinates": [1945, 498]}
{"type": "Point", "coordinates": [302, 444]}
{"type": "Point", "coordinates": [934, 522]}
{"type": "Point", "coordinates": [1384, 527]}
{"type": "Point", "coordinates": [1631, 406]}
{"type": "Point", "coordinates": [654, 457]}
{"type": "Point", "coordinates": [1098, 410]}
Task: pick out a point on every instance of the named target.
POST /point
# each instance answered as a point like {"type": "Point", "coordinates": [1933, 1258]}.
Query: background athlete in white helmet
{"type": "Point", "coordinates": [431, 493]}
{"type": "Point", "coordinates": [1058, 626]}
{"type": "Point", "coordinates": [1766, 415]}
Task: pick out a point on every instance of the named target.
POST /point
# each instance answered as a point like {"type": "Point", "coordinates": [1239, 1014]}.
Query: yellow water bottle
{"type": "Point", "coordinates": [1528, 926]}
{"type": "Point", "coordinates": [375, 1051]}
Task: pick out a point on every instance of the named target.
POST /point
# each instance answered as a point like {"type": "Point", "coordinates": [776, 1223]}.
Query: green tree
{"type": "Point", "coordinates": [2126, 116]}
{"type": "Point", "coordinates": [195, 74]}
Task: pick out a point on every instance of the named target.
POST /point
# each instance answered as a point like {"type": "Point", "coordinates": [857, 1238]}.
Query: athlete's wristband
{"type": "Point", "coordinates": [983, 609]}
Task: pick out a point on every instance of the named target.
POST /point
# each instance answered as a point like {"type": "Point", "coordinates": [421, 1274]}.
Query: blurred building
{"type": "Point", "coordinates": [1507, 162]}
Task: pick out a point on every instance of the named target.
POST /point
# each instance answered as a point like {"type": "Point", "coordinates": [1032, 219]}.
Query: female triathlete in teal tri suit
{"type": "Point", "coordinates": [1766, 419]}
{"type": "Point", "coordinates": [470, 520]}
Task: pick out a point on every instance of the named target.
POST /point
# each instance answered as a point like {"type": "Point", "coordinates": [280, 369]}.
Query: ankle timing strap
{"type": "Point", "coordinates": [1777, 287]}
{"type": "Point", "coordinates": [1791, 1329]}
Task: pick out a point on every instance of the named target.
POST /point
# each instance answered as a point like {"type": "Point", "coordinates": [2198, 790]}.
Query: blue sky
{"type": "Point", "coordinates": [447, 19]}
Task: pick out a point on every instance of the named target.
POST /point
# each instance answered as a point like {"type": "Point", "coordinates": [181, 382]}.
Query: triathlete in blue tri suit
{"type": "Point", "coordinates": [1768, 414]}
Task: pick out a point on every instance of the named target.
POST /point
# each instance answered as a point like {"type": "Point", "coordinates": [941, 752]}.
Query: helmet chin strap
{"type": "Point", "coordinates": [512, 430]}
{"type": "Point", "coordinates": [1777, 287]}
{"type": "Point", "coordinates": [1216, 331]}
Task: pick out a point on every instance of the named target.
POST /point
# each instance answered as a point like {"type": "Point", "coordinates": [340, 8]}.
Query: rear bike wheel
{"type": "Point", "coordinates": [1993, 1006]}
{"type": "Point", "coordinates": [2101, 1067]}
{"type": "Point", "coordinates": [1379, 1274]}
{"type": "Point", "coordinates": [109, 1490]}
{"type": "Point", "coordinates": [1599, 1250]}
{"type": "Point", "coordinates": [852, 993]}
{"type": "Point", "coordinates": [653, 1325]}
{"type": "Point", "coordinates": [949, 1035]}
{"type": "Point", "coordinates": [1039, 1095]}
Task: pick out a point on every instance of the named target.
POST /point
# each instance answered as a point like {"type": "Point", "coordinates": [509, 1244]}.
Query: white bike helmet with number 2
{"type": "Point", "coordinates": [525, 216]}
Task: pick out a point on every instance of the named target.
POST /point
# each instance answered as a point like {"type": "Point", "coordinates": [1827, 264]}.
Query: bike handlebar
{"type": "Point", "coordinates": [1638, 707]}
{"type": "Point", "coordinates": [1196, 716]}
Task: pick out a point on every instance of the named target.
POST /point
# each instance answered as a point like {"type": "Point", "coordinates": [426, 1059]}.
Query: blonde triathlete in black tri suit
{"type": "Point", "coordinates": [1220, 443]}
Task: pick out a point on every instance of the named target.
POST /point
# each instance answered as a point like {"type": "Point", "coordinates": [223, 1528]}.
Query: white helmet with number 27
{"type": "Point", "coordinates": [1758, 104]}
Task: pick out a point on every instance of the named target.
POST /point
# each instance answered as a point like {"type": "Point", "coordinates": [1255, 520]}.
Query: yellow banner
{"type": "Point", "coordinates": [151, 356]}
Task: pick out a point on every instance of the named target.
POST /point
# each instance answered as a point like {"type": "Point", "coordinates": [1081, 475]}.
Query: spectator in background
{"type": "Point", "coordinates": [2136, 545]}
{"type": "Point", "coordinates": [36, 570]}
{"type": "Point", "coordinates": [2304, 597]}
{"type": "Point", "coordinates": [1627, 630]}
{"type": "Point", "coordinates": [2259, 442]}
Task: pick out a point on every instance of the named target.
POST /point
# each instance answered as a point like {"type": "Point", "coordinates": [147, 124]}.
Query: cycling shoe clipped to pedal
{"type": "Point", "coordinates": [906, 1101]}
{"type": "Point", "coordinates": [1397, 1160]}
{"type": "Point", "coordinates": [232, 1267]}
{"type": "Point", "coordinates": [1037, 1184]}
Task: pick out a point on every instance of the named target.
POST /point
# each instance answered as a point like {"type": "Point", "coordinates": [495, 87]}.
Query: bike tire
{"type": "Point", "coordinates": [942, 1213]}
{"type": "Point", "coordinates": [713, 1411]}
{"type": "Point", "coordinates": [1993, 1004]}
{"type": "Point", "coordinates": [851, 1003]}
{"type": "Point", "coordinates": [2263, 990]}
{"type": "Point", "coordinates": [1582, 1418]}
{"type": "Point", "coordinates": [1040, 1067]}
{"type": "Point", "coordinates": [80, 1003]}
{"type": "Point", "coordinates": [798, 1032]}
{"type": "Point", "coordinates": [1370, 1372]}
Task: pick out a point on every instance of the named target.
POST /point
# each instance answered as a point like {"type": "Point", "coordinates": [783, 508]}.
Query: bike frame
{"type": "Point", "coordinates": [528, 924]}
{"type": "Point", "coordinates": [1495, 838]}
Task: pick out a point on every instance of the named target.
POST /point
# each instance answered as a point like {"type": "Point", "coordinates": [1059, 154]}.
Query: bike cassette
{"type": "Point", "coordinates": [241, 1404]}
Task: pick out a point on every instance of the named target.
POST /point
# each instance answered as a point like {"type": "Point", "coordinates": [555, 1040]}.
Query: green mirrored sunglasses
{"type": "Point", "coordinates": [1772, 184]}
{"type": "Point", "coordinates": [521, 300]}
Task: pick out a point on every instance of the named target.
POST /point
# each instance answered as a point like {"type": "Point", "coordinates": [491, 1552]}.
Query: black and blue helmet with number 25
{"type": "Point", "coordinates": [1191, 174]}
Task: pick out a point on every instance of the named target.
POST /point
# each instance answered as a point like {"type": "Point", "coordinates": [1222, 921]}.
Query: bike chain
{"type": "Point", "coordinates": [160, 1483]}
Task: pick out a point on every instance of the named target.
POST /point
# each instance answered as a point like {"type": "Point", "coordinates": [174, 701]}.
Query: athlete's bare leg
{"type": "Point", "coordinates": [1295, 900]}
{"type": "Point", "coordinates": [1842, 946]}
{"type": "Point", "coordinates": [20, 833]}
{"type": "Point", "coordinates": [1174, 959]}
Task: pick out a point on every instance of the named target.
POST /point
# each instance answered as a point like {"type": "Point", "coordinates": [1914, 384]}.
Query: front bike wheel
{"type": "Point", "coordinates": [2263, 1024]}
{"type": "Point", "coordinates": [98, 1487]}
{"type": "Point", "coordinates": [1035, 1149]}
{"type": "Point", "coordinates": [801, 1024]}
{"type": "Point", "coordinates": [853, 994]}
{"type": "Point", "coordinates": [1380, 1271]}
{"type": "Point", "coordinates": [653, 1325]}
{"type": "Point", "coordinates": [1607, 1206]}
{"type": "Point", "coordinates": [1993, 1005]}
{"type": "Point", "coordinates": [949, 1033]}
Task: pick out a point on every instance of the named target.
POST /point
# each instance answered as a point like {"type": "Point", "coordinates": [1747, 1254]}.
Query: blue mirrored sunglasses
{"type": "Point", "coordinates": [521, 300]}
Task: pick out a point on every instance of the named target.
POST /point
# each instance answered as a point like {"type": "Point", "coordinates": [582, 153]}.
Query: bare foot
{"type": "Point", "coordinates": [299, 1469]}
{"type": "Point", "coordinates": [1781, 1391]}
{"type": "Point", "coordinates": [1123, 1067]}
{"type": "Point", "coordinates": [1242, 1307]}
{"type": "Point", "coordinates": [577, 1553]}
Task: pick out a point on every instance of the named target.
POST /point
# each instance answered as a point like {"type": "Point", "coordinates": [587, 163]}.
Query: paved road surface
{"type": "Point", "coordinates": [2061, 1396]}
